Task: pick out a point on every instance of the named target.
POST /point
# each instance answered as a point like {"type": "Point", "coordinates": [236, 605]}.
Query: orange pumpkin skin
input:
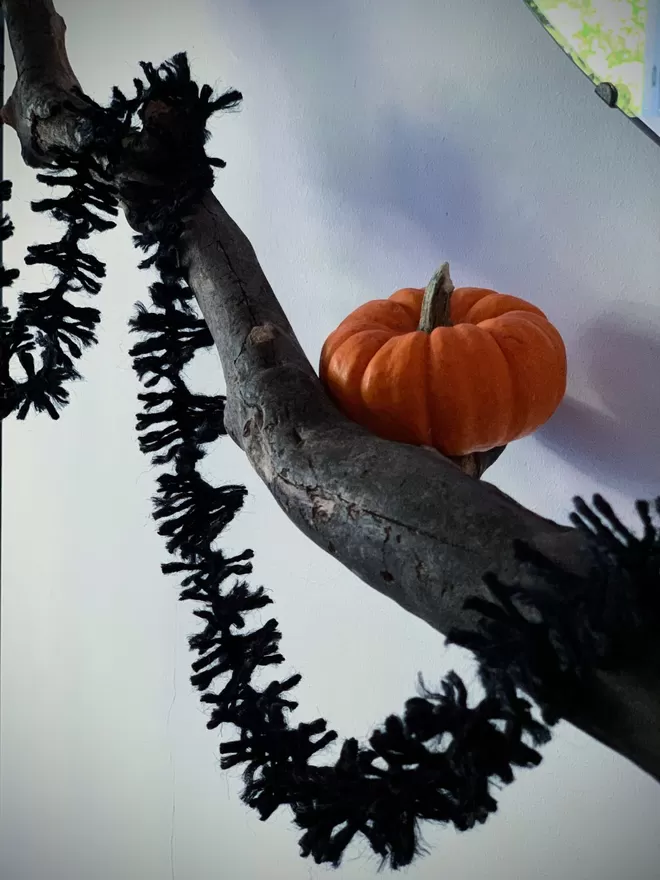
{"type": "Point", "coordinates": [494, 376]}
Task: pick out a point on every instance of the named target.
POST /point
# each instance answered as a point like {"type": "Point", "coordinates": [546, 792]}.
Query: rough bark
{"type": "Point", "coordinates": [406, 520]}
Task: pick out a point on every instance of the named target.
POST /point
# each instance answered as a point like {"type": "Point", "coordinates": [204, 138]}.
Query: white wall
{"type": "Point", "coordinates": [376, 139]}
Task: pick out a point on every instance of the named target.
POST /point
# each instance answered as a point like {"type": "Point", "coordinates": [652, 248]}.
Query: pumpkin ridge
{"type": "Point", "coordinates": [534, 402]}
{"type": "Point", "coordinates": [504, 304]}
{"type": "Point", "coordinates": [512, 431]}
{"type": "Point", "coordinates": [556, 343]}
{"type": "Point", "coordinates": [428, 378]}
{"type": "Point", "coordinates": [389, 315]}
{"type": "Point", "coordinates": [411, 310]}
{"type": "Point", "coordinates": [479, 394]}
{"type": "Point", "coordinates": [385, 389]}
{"type": "Point", "coordinates": [502, 435]}
{"type": "Point", "coordinates": [347, 356]}
{"type": "Point", "coordinates": [459, 295]}
{"type": "Point", "coordinates": [506, 432]}
{"type": "Point", "coordinates": [449, 436]}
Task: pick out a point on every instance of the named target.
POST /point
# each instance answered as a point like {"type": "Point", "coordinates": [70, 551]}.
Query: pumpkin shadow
{"type": "Point", "coordinates": [422, 175]}
{"type": "Point", "coordinates": [618, 446]}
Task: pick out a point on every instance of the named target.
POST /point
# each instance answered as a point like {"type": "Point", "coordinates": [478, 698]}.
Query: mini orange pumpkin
{"type": "Point", "coordinates": [463, 370]}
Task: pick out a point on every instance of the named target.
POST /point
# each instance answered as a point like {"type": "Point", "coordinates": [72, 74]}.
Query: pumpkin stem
{"type": "Point", "coordinates": [437, 298]}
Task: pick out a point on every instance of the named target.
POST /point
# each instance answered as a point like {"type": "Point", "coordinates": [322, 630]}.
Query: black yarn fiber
{"type": "Point", "coordinates": [443, 758]}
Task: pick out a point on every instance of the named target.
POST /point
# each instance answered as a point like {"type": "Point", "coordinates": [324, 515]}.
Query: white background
{"type": "Point", "coordinates": [376, 140]}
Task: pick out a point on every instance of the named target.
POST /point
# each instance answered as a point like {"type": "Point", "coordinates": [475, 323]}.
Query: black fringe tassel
{"type": "Point", "coordinates": [440, 760]}
{"type": "Point", "coordinates": [46, 322]}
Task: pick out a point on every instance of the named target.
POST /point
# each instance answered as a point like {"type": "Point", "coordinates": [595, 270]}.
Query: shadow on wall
{"type": "Point", "coordinates": [618, 445]}
{"type": "Point", "coordinates": [414, 171]}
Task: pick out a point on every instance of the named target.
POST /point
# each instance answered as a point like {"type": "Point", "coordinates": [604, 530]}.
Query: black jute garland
{"type": "Point", "coordinates": [46, 321]}
{"type": "Point", "coordinates": [439, 760]}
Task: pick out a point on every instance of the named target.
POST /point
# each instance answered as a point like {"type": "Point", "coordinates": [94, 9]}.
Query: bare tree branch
{"type": "Point", "coordinates": [406, 520]}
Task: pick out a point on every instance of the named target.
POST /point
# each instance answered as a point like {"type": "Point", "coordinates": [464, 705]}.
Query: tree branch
{"type": "Point", "coordinates": [407, 521]}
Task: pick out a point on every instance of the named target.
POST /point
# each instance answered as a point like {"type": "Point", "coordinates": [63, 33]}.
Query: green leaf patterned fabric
{"type": "Point", "coordinates": [605, 38]}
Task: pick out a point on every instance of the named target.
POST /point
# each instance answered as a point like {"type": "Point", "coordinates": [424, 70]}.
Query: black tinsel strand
{"type": "Point", "coordinates": [611, 620]}
{"type": "Point", "coordinates": [437, 762]}
{"type": "Point", "coordinates": [14, 336]}
{"type": "Point", "coordinates": [46, 323]}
